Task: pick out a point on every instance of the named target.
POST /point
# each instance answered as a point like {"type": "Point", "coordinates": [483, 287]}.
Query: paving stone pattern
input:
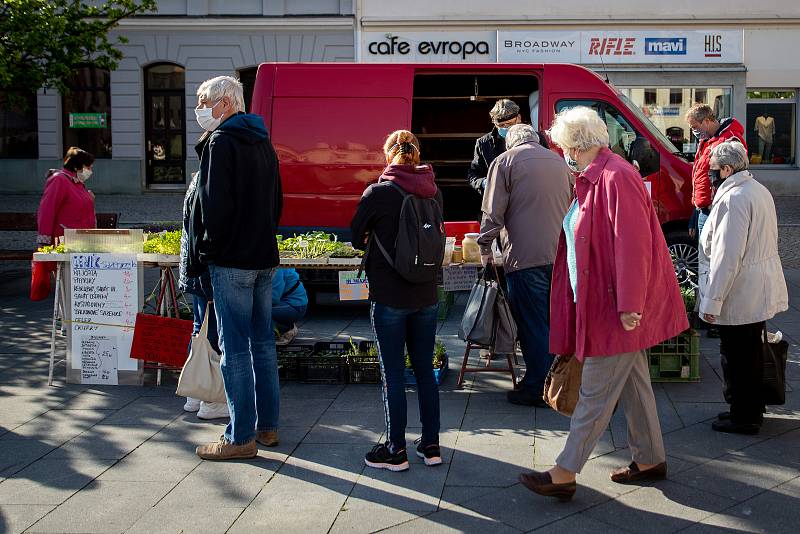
{"type": "Point", "coordinates": [77, 458]}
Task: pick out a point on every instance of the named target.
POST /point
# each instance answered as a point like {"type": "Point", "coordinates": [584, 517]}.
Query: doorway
{"type": "Point", "coordinates": [165, 128]}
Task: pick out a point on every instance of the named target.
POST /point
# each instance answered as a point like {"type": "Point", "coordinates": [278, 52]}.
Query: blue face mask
{"type": "Point", "coordinates": [502, 132]}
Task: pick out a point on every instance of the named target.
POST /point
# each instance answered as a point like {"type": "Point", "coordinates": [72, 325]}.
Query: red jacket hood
{"type": "Point", "coordinates": [414, 179]}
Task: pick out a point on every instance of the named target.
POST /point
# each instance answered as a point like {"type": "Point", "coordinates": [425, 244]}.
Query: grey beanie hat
{"type": "Point", "coordinates": [503, 110]}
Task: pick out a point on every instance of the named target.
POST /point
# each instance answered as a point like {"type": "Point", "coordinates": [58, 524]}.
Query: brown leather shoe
{"type": "Point", "coordinates": [225, 450]}
{"type": "Point", "coordinates": [631, 474]}
{"type": "Point", "coordinates": [267, 438]}
{"type": "Point", "coordinates": [542, 484]}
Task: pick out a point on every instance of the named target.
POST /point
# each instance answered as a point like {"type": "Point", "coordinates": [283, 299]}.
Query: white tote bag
{"type": "Point", "coordinates": [201, 377]}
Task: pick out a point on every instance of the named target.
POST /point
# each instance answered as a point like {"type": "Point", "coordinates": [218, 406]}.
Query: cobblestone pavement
{"type": "Point", "coordinates": [77, 459]}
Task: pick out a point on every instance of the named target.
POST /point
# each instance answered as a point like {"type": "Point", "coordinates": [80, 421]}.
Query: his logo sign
{"type": "Point", "coordinates": [713, 46]}
{"type": "Point", "coordinates": [665, 46]}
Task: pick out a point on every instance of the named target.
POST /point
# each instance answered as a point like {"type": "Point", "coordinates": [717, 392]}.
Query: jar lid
{"type": "Point", "coordinates": [472, 235]}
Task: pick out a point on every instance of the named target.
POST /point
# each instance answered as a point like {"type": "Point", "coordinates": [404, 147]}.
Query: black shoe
{"type": "Point", "coordinates": [729, 427]}
{"type": "Point", "coordinates": [712, 332]}
{"type": "Point", "coordinates": [724, 416]}
{"type": "Point", "coordinates": [431, 454]}
{"type": "Point", "coordinates": [526, 397]}
{"type": "Point", "coordinates": [381, 457]}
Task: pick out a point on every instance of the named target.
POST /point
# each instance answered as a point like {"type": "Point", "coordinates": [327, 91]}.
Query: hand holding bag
{"type": "Point", "coordinates": [562, 386]}
{"type": "Point", "coordinates": [201, 377]}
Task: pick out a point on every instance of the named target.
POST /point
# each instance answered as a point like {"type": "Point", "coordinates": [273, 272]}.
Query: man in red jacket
{"type": "Point", "coordinates": [709, 132]}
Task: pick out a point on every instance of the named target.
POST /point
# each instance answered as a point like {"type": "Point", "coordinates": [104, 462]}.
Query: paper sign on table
{"type": "Point", "coordinates": [459, 277]}
{"type": "Point", "coordinates": [353, 287]}
{"type": "Point", "coordinates": [105, 300]}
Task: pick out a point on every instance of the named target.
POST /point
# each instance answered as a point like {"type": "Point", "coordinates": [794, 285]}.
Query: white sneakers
{"type": "Point", "coordinates": [192, 405]}
{"type": "Point", "coordinates": [213, 410]}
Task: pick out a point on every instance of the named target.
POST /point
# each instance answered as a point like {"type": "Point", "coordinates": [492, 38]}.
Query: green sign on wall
{"type": "Point", "coordinates": [87, 120]}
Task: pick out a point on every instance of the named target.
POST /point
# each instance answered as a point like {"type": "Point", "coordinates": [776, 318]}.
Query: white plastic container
{"type": "Point", "coordinates": [470, 248]}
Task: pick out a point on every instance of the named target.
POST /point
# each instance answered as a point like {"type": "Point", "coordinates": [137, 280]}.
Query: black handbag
{"type": "Point", "coordinates": [773, 383]}
{"type": "Point", "coordinates": [774, 357]}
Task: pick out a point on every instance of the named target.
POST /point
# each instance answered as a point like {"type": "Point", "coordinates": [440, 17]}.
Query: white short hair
{"type": "Point", "coordinates": [579, 127]}
{"type": "Point", "coordinates": [731, 153]}
{"type": "Point", "coordinates": [520, 133]}
{"type": "Point", "coordinates": [214, 89]}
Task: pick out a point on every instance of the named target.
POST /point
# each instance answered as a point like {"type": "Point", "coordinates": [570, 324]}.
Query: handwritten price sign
{"type": "Point", "coordinates": [351, 287]}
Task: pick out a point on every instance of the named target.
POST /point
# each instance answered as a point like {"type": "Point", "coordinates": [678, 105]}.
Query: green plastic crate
{"type": "Point", "coordinates": [676, 359]}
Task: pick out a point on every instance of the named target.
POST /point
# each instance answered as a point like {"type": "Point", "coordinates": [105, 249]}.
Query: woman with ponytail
{"type": "Point", "coordinates": [403, 313]}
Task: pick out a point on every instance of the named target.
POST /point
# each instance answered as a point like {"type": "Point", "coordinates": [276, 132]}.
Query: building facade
{"type": "Point", "coordinates": [139, 119]}
{"type": "Point", "coordinates": [663, 57]}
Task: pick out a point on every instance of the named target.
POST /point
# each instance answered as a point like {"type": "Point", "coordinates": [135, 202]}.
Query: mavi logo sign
{"type": "Point", "coordinates": [665, 46]}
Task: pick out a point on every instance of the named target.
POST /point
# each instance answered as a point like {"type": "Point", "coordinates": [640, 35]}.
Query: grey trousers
{"type": "Point", "coordinates": [606, 380]}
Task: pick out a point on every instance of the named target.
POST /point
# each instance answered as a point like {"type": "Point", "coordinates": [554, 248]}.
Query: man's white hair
{"type": "Point", "coordinates": [520, 133]}
{"type": "Point", "coordinates": [579, 127]}
{"type": "Point", "coordinates": [215, 89]}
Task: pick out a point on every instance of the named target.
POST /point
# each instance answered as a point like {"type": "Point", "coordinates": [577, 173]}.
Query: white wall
{"type": "Point", "coordinates": [771, 56]}
{"type": "Point", "coordinates": [526, 11]}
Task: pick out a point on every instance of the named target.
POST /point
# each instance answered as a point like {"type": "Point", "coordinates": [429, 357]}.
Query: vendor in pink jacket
{"type": "Point", "coordinates": [614, 294]}
{"type": "Point", "coordinates": [66, 203]}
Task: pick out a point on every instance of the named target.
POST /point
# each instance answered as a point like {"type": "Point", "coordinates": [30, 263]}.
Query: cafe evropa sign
{"type": "Point", "coordinates": [87, 120]}
{"type": "Point", "coordinates": [595, 47]}
{"type": "Point", "coordinates": [430, 47]}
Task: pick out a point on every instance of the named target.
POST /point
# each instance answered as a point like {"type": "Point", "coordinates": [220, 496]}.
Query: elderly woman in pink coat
{"type": "Point", "coordinates": [614, 294]}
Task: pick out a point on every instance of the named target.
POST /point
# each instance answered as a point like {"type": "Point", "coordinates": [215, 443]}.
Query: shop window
{"type": "Point", "coordinates": [623, 139]}
{"type": "Point", "coordinates": [87, 112]}
{"type": "Point", "coordinates": [668, 111]}
{"type": "Point", "coordinates": [771, 126]}
{"type": "Point", "coordinates": [165, 128]}
{"type": "Point", "coordinates": [19, 127]}
{"type": "Point", "coordinates": [248, 79]}
{"type": "Point", "coordinates": [650, 97]}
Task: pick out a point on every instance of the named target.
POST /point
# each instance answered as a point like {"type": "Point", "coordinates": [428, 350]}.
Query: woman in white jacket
{"type": "Point", "coordinates": [744, 286]}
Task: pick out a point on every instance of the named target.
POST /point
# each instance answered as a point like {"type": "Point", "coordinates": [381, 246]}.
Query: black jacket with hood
{"type": "Point", "coordinates": [378, 213]}
{"type": "Point", "coordinates": [238, 201]}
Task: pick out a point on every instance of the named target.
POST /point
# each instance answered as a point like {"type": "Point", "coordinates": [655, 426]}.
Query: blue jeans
{"type": "Point", "coordinates": [529, 297]}
{"type": "Point", "coordinates": [284, 316]}
{"type": "Point", "coordinates": [199, 307]}
{"type": "Point", "coordinates": [415, 329]}
{"type": "Point", "coordinates": [243, 302]}
{"type": "Point", "coordinates": [701, 222]}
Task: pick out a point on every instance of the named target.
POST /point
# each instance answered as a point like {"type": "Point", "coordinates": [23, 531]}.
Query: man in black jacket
{"type": "Point", "coordinates": [232, 233]}
{"type": "Point", "coordinates": [504, 115]}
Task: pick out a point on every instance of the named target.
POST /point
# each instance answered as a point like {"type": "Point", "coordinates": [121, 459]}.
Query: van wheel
{"type": "Point", "coordinates": [683, 250]}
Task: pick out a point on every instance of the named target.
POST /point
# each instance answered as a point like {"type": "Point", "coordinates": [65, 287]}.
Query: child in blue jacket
{"type": "Point", "coordinates": [289, 303]}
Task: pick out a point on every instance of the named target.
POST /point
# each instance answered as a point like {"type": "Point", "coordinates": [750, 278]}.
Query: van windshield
{"type": "Point", "coordinates": [663, 139]}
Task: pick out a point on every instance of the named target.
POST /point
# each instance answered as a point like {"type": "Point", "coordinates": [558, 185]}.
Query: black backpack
{"type": "Point", "coordinates": [419, 249]}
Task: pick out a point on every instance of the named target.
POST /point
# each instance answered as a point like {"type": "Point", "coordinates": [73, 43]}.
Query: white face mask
{"type": "Point", "coordinates": [84, 174]}
{"type": "Point", "coordinates": [571, 163]}
{"type": "Point", "coordinates": [206, 119]}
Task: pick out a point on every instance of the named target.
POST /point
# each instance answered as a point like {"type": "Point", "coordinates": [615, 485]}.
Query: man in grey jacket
{"type": "Point", "coordinates": [528, 191]}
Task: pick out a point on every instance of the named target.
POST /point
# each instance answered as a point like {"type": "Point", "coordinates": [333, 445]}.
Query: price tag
{"type": "Point", "coordinates": [351, 287]}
